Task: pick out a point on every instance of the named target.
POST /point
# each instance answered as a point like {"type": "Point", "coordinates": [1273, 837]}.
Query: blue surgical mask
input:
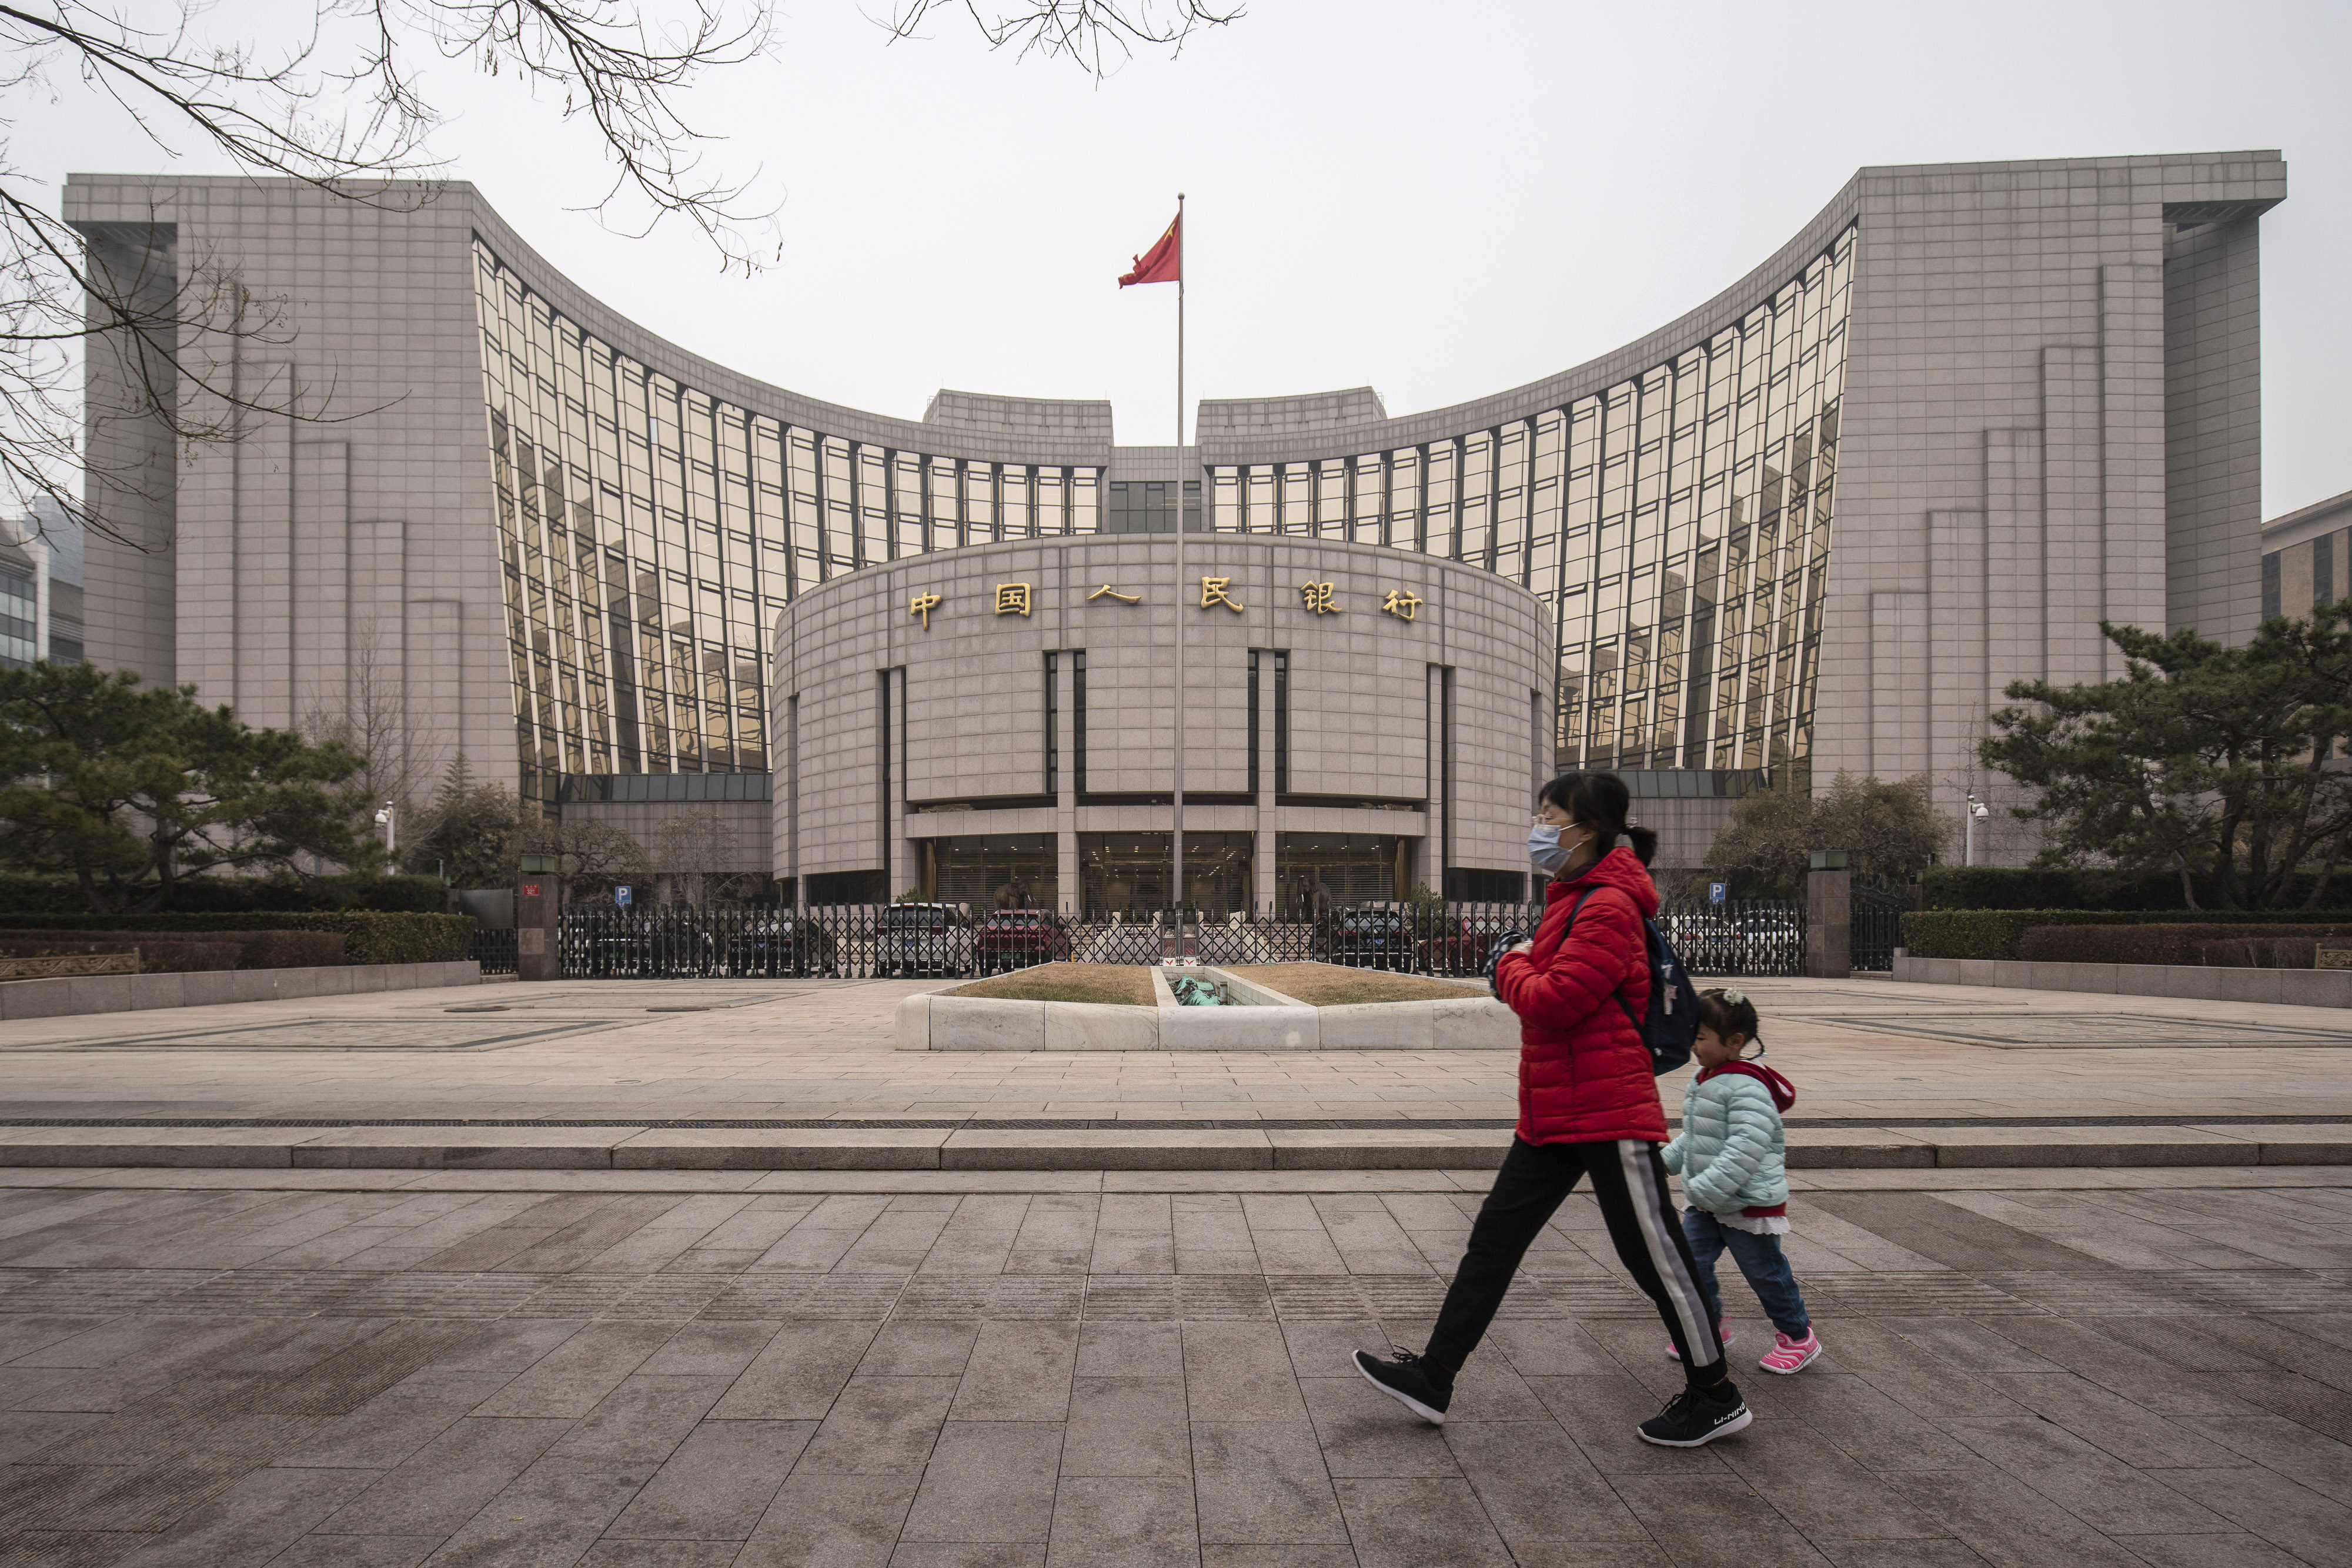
{"type": "Point", "coordinates": [1545, 851]}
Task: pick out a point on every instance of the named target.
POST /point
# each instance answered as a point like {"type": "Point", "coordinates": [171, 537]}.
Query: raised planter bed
{"type": "Point", "coordinates": [1458, 1017]}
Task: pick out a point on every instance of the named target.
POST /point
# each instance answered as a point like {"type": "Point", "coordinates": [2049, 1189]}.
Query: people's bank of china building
{"type": "Point", "coordinates": [1816, 524]}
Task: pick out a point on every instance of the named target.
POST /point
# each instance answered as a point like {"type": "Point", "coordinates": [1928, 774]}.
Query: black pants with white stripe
{"type": "Point", "coordinates": [1630, 1181]}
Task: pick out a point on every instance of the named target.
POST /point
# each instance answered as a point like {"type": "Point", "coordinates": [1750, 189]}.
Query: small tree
{"type": "Point", "coordinates": [129, 789]}
{"type": "Point", "coordinates": [366, 711]}
{"type": "Point", "coordinates": [1888, 830]}
{"type": "Point", "coordinates": [690, 850]}
{"type": "Point", "coordinates": [468, 832]}
{"type": "Point", "coordinates": [2224, 767]}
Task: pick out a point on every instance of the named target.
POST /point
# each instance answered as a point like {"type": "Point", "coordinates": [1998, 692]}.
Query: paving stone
{"type": "Point", "coordinates": [1421, 1523]}
{"type": "Point", "coordinates": [1124, 1523]}
{"type": "Point", "coordinates": [988, 1481]}
{"type": "Point", "coordinates": [441, 1486]}
{"type": "Point", "coordinates": [832, 1522]}
{"type": "Point", "coordinates": [718, 1482]}
{"type": "Point", "coordinates": [880, 1426]}
{"type": "Point", "coordinates": [1262, 1482]}
{"type": "Point", "coordinates": [1126, 1427]}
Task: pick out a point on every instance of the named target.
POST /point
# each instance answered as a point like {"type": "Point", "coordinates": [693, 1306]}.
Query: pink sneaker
{"type": "Point", "coordinates": [1722, 1330]}
{"type": "Point", "coordinates": [1788, 1356]}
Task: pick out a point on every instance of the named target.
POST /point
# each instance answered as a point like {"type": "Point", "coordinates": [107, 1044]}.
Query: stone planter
{"type": "Point", "coordinates": [1267, 1020]}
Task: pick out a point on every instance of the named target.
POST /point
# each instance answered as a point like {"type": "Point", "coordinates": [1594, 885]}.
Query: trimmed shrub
{"type": "Point", "coordinates": [292, 950]}
{"type": "Point", "coordinates": [242, 895]}
{"type": "Point", "coordinates": [2004, 887]}
{"type": "Point", "coordinates": [368, 936]}
{"type": "Point", "coordinates": [2171, 944]}
{"type": "Point", "coordinates": [1995, 933]}
{"type": "Point", "coordinates": [2263, 952]}
{"type": "Point", "coordinates": [157, 955]}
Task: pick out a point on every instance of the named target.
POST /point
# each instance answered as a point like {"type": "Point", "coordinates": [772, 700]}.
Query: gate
{"type": "Point", "coordinates": [1876, 927]}
{"type": "Point", "coordinates": [1454, 939]}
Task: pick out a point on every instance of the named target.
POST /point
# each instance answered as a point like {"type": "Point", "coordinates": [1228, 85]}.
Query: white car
{"type": "Point", "coordinates": [923, 939]}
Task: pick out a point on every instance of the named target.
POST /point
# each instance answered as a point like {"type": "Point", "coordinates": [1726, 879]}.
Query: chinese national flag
{"type": "Point", "coordinates": [1164, 262]}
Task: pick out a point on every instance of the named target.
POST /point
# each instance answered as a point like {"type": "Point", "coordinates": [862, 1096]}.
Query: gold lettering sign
{"type": "Point", "coordinates": [1320, 598]}
{"type": "Point", "coordinates": [1213, 592]}
{"type": "Point", "coordinates": [1107, 591]}
{"type": "Point", "coordinates": [1013, 599]}
{"type": "Point", "coordinates": [921, 606]}
{"type": "Point", "coordinates": [1401, 603]}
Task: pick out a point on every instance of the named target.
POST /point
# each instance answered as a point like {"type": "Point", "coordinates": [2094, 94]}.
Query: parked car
{"type": "Point", "coordinates": [1015, 938]}
{"type": "Point", "coordinates": [1461, 944]}
{"type": "Point", "coordinates": [1708, 944]}
{"type": "Point", "coordinates": [1369, 937]}
{"type": "Point", "coordinates": [606, 943]}
{"type": "Point", "coordinates": [922, 940]}
{"type": "Point", "coordinates": [783, 944]}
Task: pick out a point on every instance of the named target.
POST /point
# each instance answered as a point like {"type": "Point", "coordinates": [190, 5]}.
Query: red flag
{"type": "Point", "coordinates": [1164, 262]}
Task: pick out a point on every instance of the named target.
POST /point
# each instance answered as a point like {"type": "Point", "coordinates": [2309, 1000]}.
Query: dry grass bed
{"type": "Point", "coordinates": [1122, 984]}
{"type": "Point", "coordinates": [1338, 985]}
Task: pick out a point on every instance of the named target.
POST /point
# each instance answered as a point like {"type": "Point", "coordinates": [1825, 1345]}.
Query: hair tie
{"type": "Point", "coordinates": [1734, 998]}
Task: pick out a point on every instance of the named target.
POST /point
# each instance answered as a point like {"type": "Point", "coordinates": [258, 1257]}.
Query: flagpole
{"type": "Point", "coordinates": [1177, 838]}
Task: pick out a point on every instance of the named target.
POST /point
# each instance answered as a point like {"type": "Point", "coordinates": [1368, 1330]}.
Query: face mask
{"type": "Point", "coordinates": [1545, 851]}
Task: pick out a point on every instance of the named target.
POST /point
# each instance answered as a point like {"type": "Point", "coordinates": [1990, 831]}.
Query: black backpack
{"type": "Point", "coordinates": [1671, 1027]}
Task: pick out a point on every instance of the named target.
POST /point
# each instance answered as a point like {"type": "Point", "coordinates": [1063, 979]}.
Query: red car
{"type": "Point", "coordinates": [1017, 938]}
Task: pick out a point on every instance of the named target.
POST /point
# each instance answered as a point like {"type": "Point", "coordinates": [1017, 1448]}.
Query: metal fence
{"type": "Point", "coordinates": [868, 941]}
{"type": "Point", "coordinates": [494, 950]}
{"type": "Point", "coordinates": [1876, 926]}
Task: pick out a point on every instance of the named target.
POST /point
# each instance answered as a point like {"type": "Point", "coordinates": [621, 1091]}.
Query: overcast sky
{"type": "Point", "coordinates": [1441, 200]}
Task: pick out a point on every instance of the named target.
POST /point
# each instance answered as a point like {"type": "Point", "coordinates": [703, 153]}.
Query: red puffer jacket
{"type": "Point", "coordinates": [1584, 1072]}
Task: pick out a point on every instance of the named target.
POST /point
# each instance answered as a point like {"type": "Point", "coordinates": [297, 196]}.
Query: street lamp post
{"type": "Point", "coordinates": [385, 818]}
{"type": "Point", "coordinates": [1977, 812]}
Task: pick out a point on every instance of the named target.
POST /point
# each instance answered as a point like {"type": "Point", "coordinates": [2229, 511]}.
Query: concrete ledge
{"type": "Point", "coordinates": [933, 1021]}
{"type": "Point", "coordinates": [78, 995]}
{"type": "Point", "coordinates": [2196, 982]}
{"type": "Point", "coordinates": [1404, 1146]}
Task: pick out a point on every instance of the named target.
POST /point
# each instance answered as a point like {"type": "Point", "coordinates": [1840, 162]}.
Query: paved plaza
{"type": "Point", "coordinates": [682, 1368]}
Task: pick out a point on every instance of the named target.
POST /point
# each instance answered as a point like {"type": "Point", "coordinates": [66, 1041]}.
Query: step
{"type": "Point", "coordinates": [938, 1148]}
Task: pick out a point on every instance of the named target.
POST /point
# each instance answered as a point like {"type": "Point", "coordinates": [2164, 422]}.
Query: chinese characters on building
{"type": "Point", "coordinates": [1314, 598]}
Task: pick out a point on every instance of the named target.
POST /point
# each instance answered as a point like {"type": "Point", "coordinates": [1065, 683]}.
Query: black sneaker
{"type": "Point", "coordinates": [1695, 1417]}
{"type": "Point", "coordinates": [1411, 1382]}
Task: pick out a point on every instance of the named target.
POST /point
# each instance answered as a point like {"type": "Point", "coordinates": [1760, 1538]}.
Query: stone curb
{"type": "Point", "coordinates": [81, 995]}
{"type": "Point", "coordinates": [934, 1020]}
{"type": "Point", "coordinates": [1209, 1149]}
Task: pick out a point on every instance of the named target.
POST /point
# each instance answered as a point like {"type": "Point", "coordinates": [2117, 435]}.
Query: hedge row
{"type": "Point", "coordinates": [1995, 933]}
{"type": "Point", "coordinates": [2181, 944]}
{"type": "Point", "coordinates": [156, 956]}
{"type": "Point", "coordinates": [21, 895]}
{"type": "Point", "coordinates": [2005, 887]}
{"type": "Point", "coordinates": [369, 937]}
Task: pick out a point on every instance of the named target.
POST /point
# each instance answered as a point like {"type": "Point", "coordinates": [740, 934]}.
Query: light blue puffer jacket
{"type": "Point", "coordinates": [1731, 1152]}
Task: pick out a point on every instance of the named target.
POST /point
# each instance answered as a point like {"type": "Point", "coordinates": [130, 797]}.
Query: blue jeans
{"type": "Point", "coordinates": [1759, 1259]}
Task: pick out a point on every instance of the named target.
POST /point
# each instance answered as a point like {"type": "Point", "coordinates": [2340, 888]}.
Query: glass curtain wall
{"type": "Point", "coordinates": [651, 533]}
{"type": "Point", "coordinates": [1677, 526]}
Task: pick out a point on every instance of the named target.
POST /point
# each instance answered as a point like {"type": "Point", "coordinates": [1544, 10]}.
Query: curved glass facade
{"type": "Point", "coordinates": [651, 532]}
{"type": "Point", "coordinates": [1677, 523]}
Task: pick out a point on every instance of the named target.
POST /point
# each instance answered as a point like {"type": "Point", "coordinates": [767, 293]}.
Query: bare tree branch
{"type": "Point", "coordinates": [340, 107]}
{"type": "Point", "coordinates": [1080, 31]}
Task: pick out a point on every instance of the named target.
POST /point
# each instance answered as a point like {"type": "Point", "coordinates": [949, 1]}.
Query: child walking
{"type": "Point", "coordinates": [1731, 1156]}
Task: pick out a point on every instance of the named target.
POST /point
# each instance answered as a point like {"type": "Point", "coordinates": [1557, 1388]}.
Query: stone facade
{"type": "Point", "coordinates": [1818, 523]}
{"type": "Point", "coordinates": [2308, 557]}
{"type": "Point", "coordinates": [910, 709]}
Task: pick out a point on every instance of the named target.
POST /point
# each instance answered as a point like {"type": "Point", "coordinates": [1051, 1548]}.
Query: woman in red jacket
{"type": "Point", "coordinates": [1588, 1107]}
